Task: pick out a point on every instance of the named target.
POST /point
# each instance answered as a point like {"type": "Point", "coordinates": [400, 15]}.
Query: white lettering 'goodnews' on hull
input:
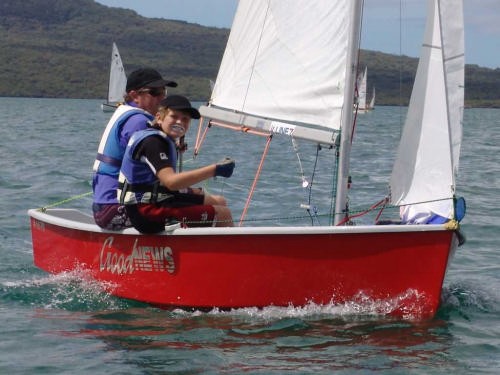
{"type": "Point", "coordinates": [142, 258]}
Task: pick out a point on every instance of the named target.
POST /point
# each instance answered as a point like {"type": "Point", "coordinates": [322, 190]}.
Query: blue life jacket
{"type": "Point", "coordinates": [137, 183]}
{"type": "Point", "coordinates": [110, 152]}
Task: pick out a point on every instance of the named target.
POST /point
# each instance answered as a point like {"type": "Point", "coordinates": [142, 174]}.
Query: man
{"type": "Point", "coordinates": [144, 91]}
{"type": "Point", "coordinates": [151, 188]}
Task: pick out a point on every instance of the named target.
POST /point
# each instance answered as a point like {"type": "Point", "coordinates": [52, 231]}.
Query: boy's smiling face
{"type": "Point", "coordinates": [173, 122]}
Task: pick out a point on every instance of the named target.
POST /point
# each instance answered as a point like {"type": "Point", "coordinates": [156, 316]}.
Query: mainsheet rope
{"type": "Point", "coordinates": [44, 208]}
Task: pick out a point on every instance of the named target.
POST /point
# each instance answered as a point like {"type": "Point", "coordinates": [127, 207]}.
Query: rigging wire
{"type": "Point", "coordinates": [335, 177]}
{"type": "Point", "coordinates": [307, 185]}
{"type": "Point", "coordinates": [315, 209]}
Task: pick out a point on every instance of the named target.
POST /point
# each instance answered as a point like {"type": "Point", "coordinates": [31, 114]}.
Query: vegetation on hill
{"type": "Point", "coordinates": [62, 48]}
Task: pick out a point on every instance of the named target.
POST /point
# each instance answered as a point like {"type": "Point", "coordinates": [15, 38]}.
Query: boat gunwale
{"type": "Point", "coordinates": [55, 217]}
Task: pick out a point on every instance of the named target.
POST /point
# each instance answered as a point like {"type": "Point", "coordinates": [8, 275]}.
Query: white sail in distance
{"type": "Point", "coordinates": [117, 77]}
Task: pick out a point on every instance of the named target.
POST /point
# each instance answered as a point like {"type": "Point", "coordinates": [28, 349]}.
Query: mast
{"type": "Point", "coordinates": [347, 114]}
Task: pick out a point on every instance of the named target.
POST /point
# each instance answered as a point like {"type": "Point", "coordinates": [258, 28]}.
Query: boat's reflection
{"type": "Point", "coordinates": [260, 340]}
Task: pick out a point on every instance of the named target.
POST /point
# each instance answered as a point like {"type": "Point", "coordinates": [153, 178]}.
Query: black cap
{"type": "Point", "coordinates": [180, 103]}
{"type": "Point", "coordinates": [146, 77]}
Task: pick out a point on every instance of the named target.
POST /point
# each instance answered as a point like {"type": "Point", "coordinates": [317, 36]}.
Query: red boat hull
{"type": "Point", "coordinates": [236, 269]}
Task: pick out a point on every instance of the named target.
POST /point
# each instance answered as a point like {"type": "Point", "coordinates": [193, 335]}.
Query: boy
{"type": "Point", "coordinates": [151, 189]}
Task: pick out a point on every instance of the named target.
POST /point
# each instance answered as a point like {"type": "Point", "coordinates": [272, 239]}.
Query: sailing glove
{"type": "Point", "coordinates": [225, 167]}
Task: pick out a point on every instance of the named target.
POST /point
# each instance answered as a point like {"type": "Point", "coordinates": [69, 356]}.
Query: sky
{"type": "Point", "coordinates": [381, 18]}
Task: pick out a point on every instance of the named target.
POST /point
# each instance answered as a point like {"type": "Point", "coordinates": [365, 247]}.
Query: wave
{"type": "Point", "coordinates": [72, 291]}
{"type": "Point", "coordinates": [466, 298]}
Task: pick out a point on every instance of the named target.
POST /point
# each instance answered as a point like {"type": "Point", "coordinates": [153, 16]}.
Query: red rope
{"type": "Point", "coordinates": [384, 201]}
{"type": "Point", "coordinates": [254, 184]}
{"type": "Point", "coordinates": [200, 140]}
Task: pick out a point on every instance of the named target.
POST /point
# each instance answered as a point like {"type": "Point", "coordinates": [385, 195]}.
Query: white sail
{"type": "Point", "coordinates": [372, 100]}
{"type": "Point", "coordinates": [362, 90]}
{"type": "Point", "coordinates": [287, 61]}
{"type": "Point", "coordinates": [427, 160]}
{"type": "Point", "coordinates": [117, 77]}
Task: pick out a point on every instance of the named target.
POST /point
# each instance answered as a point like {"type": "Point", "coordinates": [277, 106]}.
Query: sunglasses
{"type": "Point", "coordinates": [154, 91]}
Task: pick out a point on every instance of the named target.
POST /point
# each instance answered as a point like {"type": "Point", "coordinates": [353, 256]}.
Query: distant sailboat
{"type": "Point", "coordinates": [372, 101]}
{"type": "Point", "coordinates": [361, 93]}
{"type": "Point", "coordinates": [117, 82]}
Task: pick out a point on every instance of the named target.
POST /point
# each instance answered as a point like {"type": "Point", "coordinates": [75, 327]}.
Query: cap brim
{"type": "Point", "coordinates": [193, 112]}
{"type": "Point", "coordinates": [162, 83]}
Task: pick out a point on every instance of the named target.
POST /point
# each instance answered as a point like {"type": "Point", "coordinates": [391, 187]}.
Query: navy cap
{"type": "Point", "coordinates": [180, 103]}
{"type": "Point", "coordinates": [146, 77]}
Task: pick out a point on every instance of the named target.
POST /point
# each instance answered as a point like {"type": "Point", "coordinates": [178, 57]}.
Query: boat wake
{"type": "Point", "coordinates": [77, 291]}
{"type": "Point", "coordinates": [72, 291]}
{"type": "Point", "coordinates": [406, 305]}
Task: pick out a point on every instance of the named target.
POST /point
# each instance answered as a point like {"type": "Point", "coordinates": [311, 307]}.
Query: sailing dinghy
{"type": "Point", "coordinates": [371, 105]}
{"type": "Point", "coordinates": [285, 76]}
{"type": "Point", "coordinates": [361, 104]}
{"type": "Point", "coordinates": [117, 82]}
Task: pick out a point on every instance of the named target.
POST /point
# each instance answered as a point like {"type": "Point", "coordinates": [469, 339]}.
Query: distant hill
{"type": "Point", "coordinates": [385, 72]}
{"type": "Point", "coordinates": [61, 48]}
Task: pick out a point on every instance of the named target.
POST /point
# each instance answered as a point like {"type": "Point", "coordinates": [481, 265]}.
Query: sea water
{"type": "Point", "coordinates": [58, 324]}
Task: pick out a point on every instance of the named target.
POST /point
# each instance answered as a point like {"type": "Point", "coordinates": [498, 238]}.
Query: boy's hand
{"type": "Point", "coordinates": [225, 167]}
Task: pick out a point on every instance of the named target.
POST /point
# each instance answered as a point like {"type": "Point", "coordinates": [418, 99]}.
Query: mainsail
{"type": "Point", "coordinates": [289, 62]}
{"type": "Point", "coordinates": [289, 68]}
{"type": "Point", "coordinates": [424, 171]}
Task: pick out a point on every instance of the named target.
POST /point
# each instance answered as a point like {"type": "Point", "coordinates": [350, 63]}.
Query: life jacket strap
{"type": "Point", "coordinates": [154, 189]}
{"type": "Point", "coordinates": [109, 160]}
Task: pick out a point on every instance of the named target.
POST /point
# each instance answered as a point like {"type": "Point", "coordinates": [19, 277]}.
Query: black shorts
{"type": "Point", "coordinates": [185, 208]}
